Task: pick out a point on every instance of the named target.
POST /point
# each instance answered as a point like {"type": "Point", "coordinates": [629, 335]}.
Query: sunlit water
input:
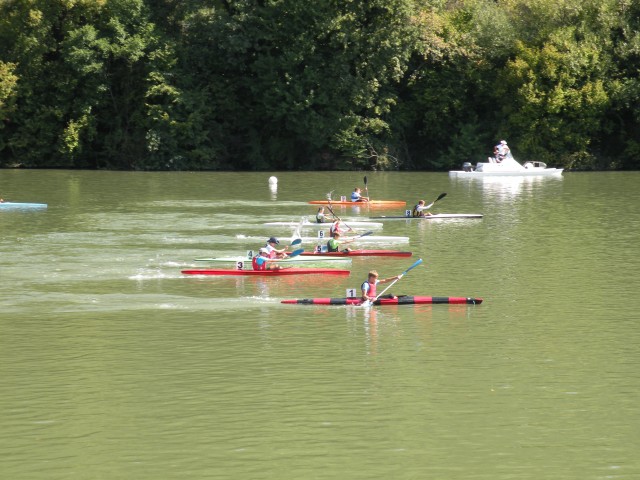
{"type": "Point", "coordinates": [114, 365]}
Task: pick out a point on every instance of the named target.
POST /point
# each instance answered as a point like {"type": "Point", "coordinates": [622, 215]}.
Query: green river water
{"type": "Point", "coordinates": [113, 365]}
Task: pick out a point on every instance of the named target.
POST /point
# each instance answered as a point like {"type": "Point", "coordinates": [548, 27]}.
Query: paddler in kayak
{"type": "Point", "coordinates": [272, 251]}
{"type": "Point", "coordinates": [262, 261]}
{"type": "Point", "coordinates": [356, 196]}
{"type": "Point", "coordinates": [368, 288]}
{"type": "Point", "coordinates": [337, 228]}
{"type": "Point", "coordinates": [320, 216]}
{"type": "Point", "coordinates": [419, 210]}
{"type": "Point", "coordinates": [333, 245]}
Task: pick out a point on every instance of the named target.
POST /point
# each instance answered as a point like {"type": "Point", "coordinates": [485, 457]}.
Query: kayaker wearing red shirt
{"type": "Point", "coordinates": [261, 261]}
{"type": "Point", "coordinates": [369, 287]}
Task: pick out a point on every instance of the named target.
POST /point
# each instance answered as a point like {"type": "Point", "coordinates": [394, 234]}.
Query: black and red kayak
{"type": "Point", "coordinates": [400, 300]}
{"type": "Point", "coordinates": [361, 253]}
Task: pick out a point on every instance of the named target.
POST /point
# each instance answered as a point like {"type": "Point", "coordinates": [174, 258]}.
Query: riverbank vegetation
{"type": "Point", "coordinates": [302, 85]}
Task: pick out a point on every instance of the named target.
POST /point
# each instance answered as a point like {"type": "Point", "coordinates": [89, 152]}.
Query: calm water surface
{"type": "Point", "coordinates": [114, 365]}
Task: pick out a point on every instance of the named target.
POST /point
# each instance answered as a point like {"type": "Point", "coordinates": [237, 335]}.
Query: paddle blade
{"type": "Point", "coordinates": [415, 264]}
{"type": "Point", "coordinates": [365, 180]}
{"type": "Point", "coordinates": [418, 262]}
{"type": "Point", "coordinates": [440, 197]}
{"type": "Point", "coordinates": [297, 241]}
{"type": "Point", "coordinates": [295, 253]}
{"type": "Point", "coordinates": [370, 232]}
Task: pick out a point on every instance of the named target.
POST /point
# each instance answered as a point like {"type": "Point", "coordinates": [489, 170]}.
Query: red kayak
{"type": "Point", "coordinates": [400, 300]}
{"type": "Point", "coordinates": [361, 253]}
{"type": "Point", "coordinates": [370, 203]}
{"type": "Point", "coordinates": [267, 273]}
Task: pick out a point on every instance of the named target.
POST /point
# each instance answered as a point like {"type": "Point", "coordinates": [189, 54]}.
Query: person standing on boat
{"type": "Point", "coordinates": [368, 288]}
{"type": "Point", "coordinates": [333, 245]}
{"type": "Point", "coordinates": [502, 149]}
{"type": "Point", "coordinates": [356, 196]}
{"type": "Point", "coordinates": [272, 251]}
{"type": "Point", "coordinates": [419, 210]}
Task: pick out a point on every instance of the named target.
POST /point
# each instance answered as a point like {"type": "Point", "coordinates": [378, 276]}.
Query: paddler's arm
{"type": "Point", "coordinates": [385, 280]}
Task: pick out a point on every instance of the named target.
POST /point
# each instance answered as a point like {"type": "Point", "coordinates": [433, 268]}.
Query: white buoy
{"type": "Point", "coordinates": [273, 187]}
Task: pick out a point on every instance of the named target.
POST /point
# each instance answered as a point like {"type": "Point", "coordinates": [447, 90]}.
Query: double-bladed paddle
{"type": "Point", "coordinates": [440, 197]}
{"type": "Point", "coordinates": [295, 253]}
{"type": "Point", "coordinates": [370, 232]}
{"type": "Point", "coordinates": [339, 219]}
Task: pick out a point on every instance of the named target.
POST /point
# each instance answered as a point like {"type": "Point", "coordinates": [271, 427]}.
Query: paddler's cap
{"type": "Point", "coordinates": [273, 240]}
{"type": "Point", "coordinates": [263, 250]}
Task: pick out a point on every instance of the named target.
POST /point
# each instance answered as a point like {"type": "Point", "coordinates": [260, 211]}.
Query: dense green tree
{"type": "Point", "coordinates": [621, 135]}
{"type": "Point", "coordinates": [83, 69]}
{"type": "Point", "coordinates": [288, 84]}
{"type": "Point", "coordinates": [8, 84]}
{"type": "Point", "coordinates": [299, 84]}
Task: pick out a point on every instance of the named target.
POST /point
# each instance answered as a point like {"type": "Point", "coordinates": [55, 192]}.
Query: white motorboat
{"type": "Point", "coordinates": [508, 167]}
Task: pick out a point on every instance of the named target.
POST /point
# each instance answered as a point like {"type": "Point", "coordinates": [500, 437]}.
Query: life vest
{"type": "Point", "coordinates": [372, 289]}
{"type": "Point", "coordinates": [320, 218]}
{"type": "Point", "coordinates": [254, 264]}
{"type": "Point", "coordinates": [416, 212]}
{"type": "Point", "coordinates": [331, 248]}
{"type": "Point", "coordinates": [335, 228]}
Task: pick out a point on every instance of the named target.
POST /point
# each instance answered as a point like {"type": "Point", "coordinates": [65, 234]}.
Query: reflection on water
{"type": "Point", "coordinates": [115, 365]}
{"type": "Point", "coordinates": [506, 188]}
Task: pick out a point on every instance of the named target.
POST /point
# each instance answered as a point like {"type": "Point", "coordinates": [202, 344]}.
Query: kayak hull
{"type": "Point", "coordinates": [360, 253]}
{"type": "Point", "coordinates": [371, 203]}
{"type": "Point", "coordinates": [365, 239]}
{"type": "Point", "coordinates": [297, 259]}
{"type": "Point", "coordinates": [16, 205]}
{"type": "Point", "coordinates": [400, 300]}
{"type": "Point", "coordinates": [356, 238]}
{"type": "Point", "coordinates": [431, 217]}
{"type": "Point", "coordinates": [267, 273]}
{"type": "Point", "coordinates": [358, 224]}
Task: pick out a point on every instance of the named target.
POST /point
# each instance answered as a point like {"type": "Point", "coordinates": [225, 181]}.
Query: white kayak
{"type": "Point", "coordinates": [308, 224]}
{"type": "Point", "coordinates": [325, 238]}
{"type": "Point", "coordinates": [358, 239]}
{"type": "Point", "coordinates": [297, 259]}
{"type": "Point", "coordinates": [435, 216]}
{"type": "Point", "coordinates": [19, 205]}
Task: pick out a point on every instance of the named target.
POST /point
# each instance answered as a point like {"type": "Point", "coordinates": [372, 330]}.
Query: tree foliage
{"type": "Point", "coordinates": [285, 84]}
